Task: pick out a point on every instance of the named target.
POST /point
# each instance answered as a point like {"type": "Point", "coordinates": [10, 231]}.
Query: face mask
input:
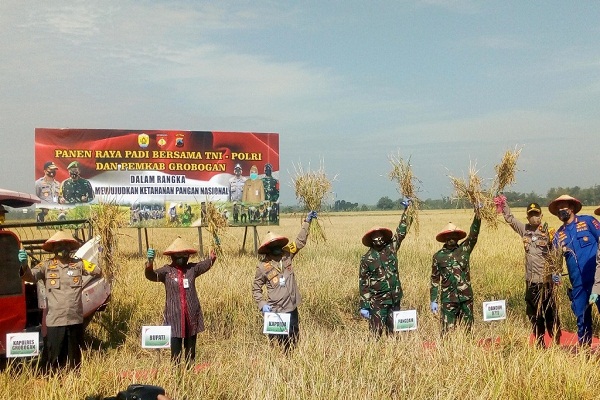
{"type": "Point", "coordinates": [277, 251]}
{"type": "Point", "coordinates": [535, 220]}
{"type": "Point", "coordinates": [181, 261]}
{"type": "Point", "coordinates": [253, 176]}
{"type": "Point", "coordinates": [564, 214]}
{"type": "Point", "coordinates": [378, 241]}
{"type": "Point", "coordinates": [63, 252]}
{"type": "Point", "coordinates": [51, 173]}
{"type": "Point", "coordinates": [74, 174]}
{"type": "Point", "coordinates": [451, 243]}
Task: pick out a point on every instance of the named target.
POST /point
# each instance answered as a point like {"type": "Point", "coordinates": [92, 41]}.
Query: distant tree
{"type": "Point", "coordinates": [385, 203]}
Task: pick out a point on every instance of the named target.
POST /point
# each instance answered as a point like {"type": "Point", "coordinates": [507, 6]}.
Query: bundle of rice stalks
{"type": "Point", "coordinates": [216, 224]}
{"type": "Point", "coordinates": [312, 189]}
{"type": "Point", "coordinates": [402, 174]}
{"type": "Point", "coordinates": [107, 217]}
{"type": "Point", "coordinates": [472, 190]}
{"type": "Point", "coordinates": [505, 171]}
{"type": "Point", "coordinates": [553, 264]}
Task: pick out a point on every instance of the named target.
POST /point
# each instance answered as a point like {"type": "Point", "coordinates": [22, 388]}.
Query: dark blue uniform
{"type": "Point", "coordinates": [579, 242]}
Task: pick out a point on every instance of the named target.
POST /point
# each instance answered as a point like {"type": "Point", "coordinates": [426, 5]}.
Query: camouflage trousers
{"type": "Point", "coordinates": [382, 317]}
{"type": "Point", "coordinates": [453, 314]}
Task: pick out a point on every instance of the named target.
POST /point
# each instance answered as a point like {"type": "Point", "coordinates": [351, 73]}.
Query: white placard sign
{"type": "Point", "coordinates": [22, 344]}
{"type": "Point", "coordinates": [405, 320]}
{"type": "Point", "coordinates": [494, 310]}
{"type": "Point", "coordinates": [276, 323]}
{"type": "Point", "coordinates": [156, 337]}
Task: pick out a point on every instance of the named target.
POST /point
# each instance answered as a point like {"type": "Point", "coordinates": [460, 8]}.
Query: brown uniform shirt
{"type": "Point", "coordinates": [64, 284]}
{"type": "Point", "coordinates": [536, 242]}
{"type": "Point", "coordinates": [278, 277]}
{"type": "Point", "coordinates": [254, 191]}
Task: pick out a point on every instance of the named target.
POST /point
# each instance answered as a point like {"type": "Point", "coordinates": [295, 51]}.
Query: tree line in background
{"type": "Point", "coordinates": [588, 196]}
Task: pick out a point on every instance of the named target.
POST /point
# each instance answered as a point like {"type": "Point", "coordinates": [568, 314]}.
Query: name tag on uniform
{"type": "Point", "coordinates": [186, 283]}
{"type": "Point", "coordinates": [276, 323]}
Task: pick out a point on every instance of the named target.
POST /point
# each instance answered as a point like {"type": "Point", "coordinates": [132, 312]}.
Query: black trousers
{"type": "Point", "coordinates": [64, 345]}
{"type": "Point", "coordinates": [542, 311]}
{"type": "Point", "coordinates": [289, 341]}
{"type": "Point", "coordinates": [188, 344]}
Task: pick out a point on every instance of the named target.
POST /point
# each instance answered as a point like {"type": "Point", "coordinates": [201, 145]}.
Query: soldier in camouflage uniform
{"type": "Point", "coordinates": [379, 283]}
{"type": "Point", "coordinates": [451, 272]}
{"type": "Point", "coordinates": [75, 189]}
{"type": "Point", "coordinates": [271, 184]}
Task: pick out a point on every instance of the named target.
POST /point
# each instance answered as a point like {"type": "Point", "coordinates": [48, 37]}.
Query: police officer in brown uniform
{"type": "Point", "coordinates": [182, 306]}
{"type": "Point", "coordinates": [541, 309]}
{"type": "Point", "coordinates": [275, 271]}
{"type": "Point", "coordinates": [62, 276]}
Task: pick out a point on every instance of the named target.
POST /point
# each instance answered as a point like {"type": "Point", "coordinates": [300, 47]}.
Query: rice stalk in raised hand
{"type": "Point", "coordinates": [406, 182]}
{"type": "Point", "coordinates": [312, 188]}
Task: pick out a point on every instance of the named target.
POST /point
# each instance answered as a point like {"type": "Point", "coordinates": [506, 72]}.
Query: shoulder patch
{"type": "Point", "coordinates": [291, 247]}
{"type": "Point", "coordinates": [89, 266]}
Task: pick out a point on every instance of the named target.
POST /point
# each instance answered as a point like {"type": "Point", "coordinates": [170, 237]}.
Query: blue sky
{"type": "Point", "coordinates": [346, 83]}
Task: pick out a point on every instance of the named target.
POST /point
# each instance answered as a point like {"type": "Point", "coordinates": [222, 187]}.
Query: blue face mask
{"type": "Point", "coordinates": [277, 251]}
{"type": "Point", "coordinates": [253, 175]}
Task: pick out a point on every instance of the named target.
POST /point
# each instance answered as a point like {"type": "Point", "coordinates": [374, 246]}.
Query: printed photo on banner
{"type": "Point", "coordinates": [161, 178]}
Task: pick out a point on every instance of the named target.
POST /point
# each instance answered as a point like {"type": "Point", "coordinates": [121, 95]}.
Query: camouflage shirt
{"type": "Point", "coordinates": [77, 191]}
{"type": "Point", "coordinates": [451, 270]}
{"type": "Point", "coordinates": [271, 188]}
{"type": "Point", "coordinates": [378, 280]}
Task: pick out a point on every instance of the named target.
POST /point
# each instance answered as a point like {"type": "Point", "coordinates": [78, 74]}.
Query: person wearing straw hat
{"type": "Point", "coordinates": [541, 307]}
{"type": "Point", "coordinates": [378, 280]}
{"type": "Point", "coordinates": [62, 276]}
{"type": "Point", "coordinates": [451, 276]}
{"type": "Point", "coordinates": [275, 272]}
{"type": "Point", "coordinates": [182, 306]}
{"type": "Point", "coordinates": [578, 239]}
{"type": "Point", "coordinates": [47, 187]}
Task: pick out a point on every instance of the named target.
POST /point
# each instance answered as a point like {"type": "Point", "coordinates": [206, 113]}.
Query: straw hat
{"type": "Point", "coordinates": [179, 246]}
{"type": "Point", "coordinates": [597, 211]}
{"type": "Point", "coordinates": [60, 237]}
{"type": "Point", "coordinates": [272, 238]}
{"type": "Point", "coordinates": [368, 241]}
{"type": "Point", "coordinates": [450, 231]}
{"type": "Point", "coordinates": [553, 206]}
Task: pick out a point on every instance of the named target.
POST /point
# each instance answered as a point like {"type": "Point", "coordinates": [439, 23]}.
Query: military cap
{"type": "Point", "coordinates": [534, 207]}
{"type": "Point", "coordinates": [74, 164]}
{"type": "Point", "coordinates": [50, 164]}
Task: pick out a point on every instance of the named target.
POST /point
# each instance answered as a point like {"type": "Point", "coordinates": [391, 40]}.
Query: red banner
{"type": "Point", "coordinates": [152, 167]}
